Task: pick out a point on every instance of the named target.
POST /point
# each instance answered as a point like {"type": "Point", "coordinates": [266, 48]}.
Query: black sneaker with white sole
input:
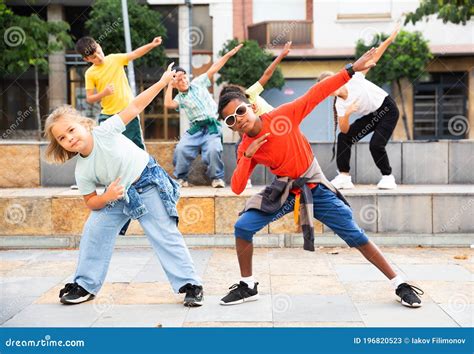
{"type": "Point", "coordinates": [73, 294]}
{"type": "Point", "coordinates": [194, 295]}
{"type": "Point", "coordinates": [408, 295]}
{"type": "Point", "coordinates": [240, 293]}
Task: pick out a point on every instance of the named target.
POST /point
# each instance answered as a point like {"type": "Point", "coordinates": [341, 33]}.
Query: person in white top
{"type": "Point", "coordinates": [379, 115]}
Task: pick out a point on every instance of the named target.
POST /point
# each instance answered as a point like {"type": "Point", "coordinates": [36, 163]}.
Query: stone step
{"type": "Point", "coordinates": [413, 162]}
{"type": "Point", "coordinates": [411, 214]}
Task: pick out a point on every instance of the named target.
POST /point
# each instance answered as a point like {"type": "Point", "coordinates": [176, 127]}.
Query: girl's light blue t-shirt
{"type": "Point", "coordinates": [112, 156]}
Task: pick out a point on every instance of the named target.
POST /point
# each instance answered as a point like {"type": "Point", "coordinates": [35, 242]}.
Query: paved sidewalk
{"type": "Point", "coordinates": [330, 287]}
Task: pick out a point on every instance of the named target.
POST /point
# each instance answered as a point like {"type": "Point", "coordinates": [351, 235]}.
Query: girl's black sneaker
{"type": "Point", "coordinates": [73, 294]}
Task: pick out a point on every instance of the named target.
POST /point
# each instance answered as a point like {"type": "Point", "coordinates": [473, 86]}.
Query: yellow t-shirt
{"type": "Point", "coordinates": [254, 92]}
{"type": "Point", "coordinates": [111, 72]}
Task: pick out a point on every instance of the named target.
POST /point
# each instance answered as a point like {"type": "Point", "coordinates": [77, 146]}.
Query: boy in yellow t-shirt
{"type": "Point", "coordinates": [107, 77]}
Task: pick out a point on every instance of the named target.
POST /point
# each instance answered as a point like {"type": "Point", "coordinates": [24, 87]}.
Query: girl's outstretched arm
{"type": "Point", "coordinates": [267, 74]}
{"type": "Point", "coordinates": [144, 98]}
{"type": "Point", "coordinates": [383, 47]}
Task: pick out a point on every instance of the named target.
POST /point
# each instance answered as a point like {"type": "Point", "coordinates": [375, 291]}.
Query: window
{"type": "Point", "coordinates": [364, 9]}
{"type": "Point", "coordinates": [440, 107]}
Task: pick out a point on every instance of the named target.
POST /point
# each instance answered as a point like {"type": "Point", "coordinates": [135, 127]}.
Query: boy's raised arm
{"type": "Point", "coordinates": [272, 67]}
{"type": "Point", "coordinates": [221, 62]}
{"type": "Point", "coordinates": [143, 99]}
{"type": "Point", "coordinates": [141, 51]}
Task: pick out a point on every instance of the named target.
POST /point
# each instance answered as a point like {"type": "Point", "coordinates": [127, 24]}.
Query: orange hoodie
{"type": "Point", "coordinates": [287, 152]}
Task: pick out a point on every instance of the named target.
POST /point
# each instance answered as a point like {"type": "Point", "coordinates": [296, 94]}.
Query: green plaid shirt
{"type": "Point", "coordinates": [197, 102]}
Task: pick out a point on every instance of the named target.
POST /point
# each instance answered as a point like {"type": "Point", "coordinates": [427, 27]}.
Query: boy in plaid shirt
{"type": "Point", "coordinates": [205, 133]}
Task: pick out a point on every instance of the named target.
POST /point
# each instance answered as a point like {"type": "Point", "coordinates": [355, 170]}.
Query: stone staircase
{"type": "Point", "coordinates": [433, 205]}
{"type": "Point", "coordinates": [427, 215]}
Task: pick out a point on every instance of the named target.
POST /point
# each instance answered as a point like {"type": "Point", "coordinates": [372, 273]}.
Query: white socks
{"type": "Point", "coordinates": [250, 281]}
{"type": "Point", "coordinates": [397, 281]}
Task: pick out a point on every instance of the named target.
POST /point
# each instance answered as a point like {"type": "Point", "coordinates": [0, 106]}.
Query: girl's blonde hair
{"type": "Point", "coordinates": [55, 152]}
{"type": "Point", "coordinates": [323, 76]}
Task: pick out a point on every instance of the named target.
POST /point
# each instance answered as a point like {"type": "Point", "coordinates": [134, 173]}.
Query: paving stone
{"type": "Point", "coordinates": [108, 295]}
{"type": "Point", "coordinates": [448, 272]}
{"type": "Point", "coordinates": [153, 271]}
{"type": "Point", "coordinates": [228, 324]}
{"type": "Point", "coordinates": [314, 266]}
{"type": "Point", "coordinates": [21, 255]}
{"type": "Point", "coordinates": [33, 286]}
{"type": "Point", "coordinates": [12, 305]}
{"type": "Point", "coordinates": [8, 266]}
{"type": "Point", "coordinates": [149, 293]}
{"type": "Point", "coordinates": [314, 308]}
{"type": "Point", "coordinates": [460, 312]}
{"type": "Point", "coordinates": [455, 292]}
{"type": "Point", "coordinates": [395, 315]}
{"type": "Point", "coordinates": [306, 284]}
{"type": "Point", "coordinates": [56, 315]}
{"type": "Point", "coordinates": [377, 292]}
{"type": "Point", "coordinates": [44, 269]}
{"type": "Point", "coordinates": [212, 311]}
{"type": "Point", "coordinates": [122, 272]}
{"type": "Point", "coordinates": [143, 316]}
{"type": "Point", "coordinates": [359, 272]}
{"type": "Point", "coordinates": [319, 324]}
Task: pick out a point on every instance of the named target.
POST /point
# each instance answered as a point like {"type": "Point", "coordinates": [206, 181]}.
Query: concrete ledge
{"type": "Point", "coordinates": [56, 212]}
{"type": "Point", "coordinates": [413, 162]}
{"type": "Point", "coordinates": [264, 241]}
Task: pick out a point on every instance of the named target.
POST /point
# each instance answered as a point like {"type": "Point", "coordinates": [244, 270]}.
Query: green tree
{"type": "Point", "coordinates": [27, 42]}
{"type": "Point", "coordinates": [406, 57]}
{"type": "Point", "coordinates": [246, 67]}
{"type": "Point", "coordinates": [457, 11]}
{"type": "Point", "coordinates": [105, 25]}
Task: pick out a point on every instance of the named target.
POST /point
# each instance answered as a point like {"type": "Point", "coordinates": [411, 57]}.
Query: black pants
{"type": "Point", "coordinates": [382, 122]}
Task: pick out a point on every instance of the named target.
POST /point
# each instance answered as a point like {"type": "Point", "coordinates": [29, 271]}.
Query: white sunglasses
{"type": "Point", "coordinates": [240, 111]}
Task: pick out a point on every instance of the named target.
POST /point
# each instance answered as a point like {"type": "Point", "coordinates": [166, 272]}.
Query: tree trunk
{"type": "Point", "coordinates": [404, 114]}
{"type": "Point", "coordinates": [37, 104]}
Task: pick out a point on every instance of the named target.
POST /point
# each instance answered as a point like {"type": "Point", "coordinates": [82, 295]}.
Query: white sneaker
{"type": "Point", "coordinates": [343, 182]}
{"type": "Point", "coordinates": [183, 183]}
{"type": "Point", "coordinates": [249, 184]}
{"type": "Point", "coordinates": [217, 183]}
{"type": "Point", "coordinates": [387, 182]}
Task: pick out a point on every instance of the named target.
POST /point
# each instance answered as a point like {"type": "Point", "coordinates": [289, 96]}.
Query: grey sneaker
{"type": "Point", "coordinates": [218, 183]}
{"type": "Point", "coordinates": [183, 183]}
{"type": "Point", "coordinates": [194, 295]}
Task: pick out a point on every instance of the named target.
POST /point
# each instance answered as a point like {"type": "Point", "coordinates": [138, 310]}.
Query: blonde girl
{"type": "Point", "coordinates": [137, 187]}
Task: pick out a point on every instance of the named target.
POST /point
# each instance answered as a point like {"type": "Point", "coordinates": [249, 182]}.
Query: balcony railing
{"type": "Point", "coordinates": [274, 34]}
